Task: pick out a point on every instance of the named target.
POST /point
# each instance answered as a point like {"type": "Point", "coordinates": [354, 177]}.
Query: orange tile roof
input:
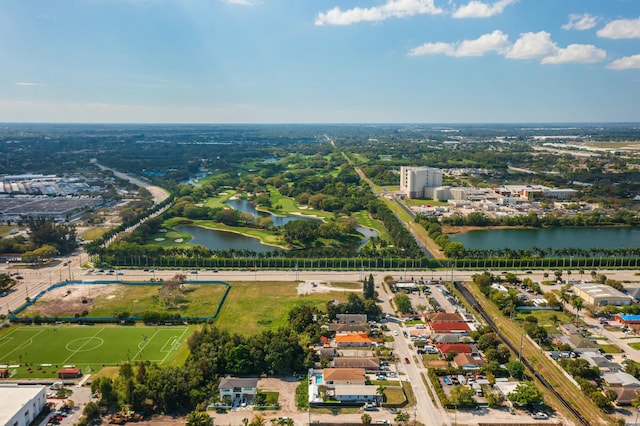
{"type": "Point", "coordinates": [352, 338]}
{"type": "Point", "coordinates": [344, 374]}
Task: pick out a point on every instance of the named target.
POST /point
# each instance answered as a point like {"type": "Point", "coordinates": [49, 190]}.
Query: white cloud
{"type": "Point", "coordinates": [496, 41]}
{"type": "Point", "coordinates": [580, 22]}
{"type": "Point", "coordinates": [478, 9]}
{"type": "Point", "coordinates": [438, 48]}
{"type": "Point", "coordinates": [628, 62]}
{"type": "Point", "coordinates": [23, 83]}
{"type": "Point", "coordinates": [576, 53]}
{"type": "Point", "coordinates": [241, 2]}
{"type": "Point", "coordinates": [529, 46]}
{"type": "Point", "coordinates": [392, 8]}
{"type": "Point", "coordinates": [532, 46]}
{"type": "Point", "coordinates": [621, 28]}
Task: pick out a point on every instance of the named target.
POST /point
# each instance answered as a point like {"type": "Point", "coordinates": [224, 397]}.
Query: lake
{"type": "Point", "coordinates": [556, 238]}
{"type": "Point", "coordinates": [222, 240]}
{"type": "Point", "coordinates": [247, 206]}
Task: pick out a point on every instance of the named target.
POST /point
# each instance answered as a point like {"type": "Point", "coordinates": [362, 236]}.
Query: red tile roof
{"type": "Point", "coordinates": [448, 327]}
{"type": "Point", "coordinates": [461, 348]}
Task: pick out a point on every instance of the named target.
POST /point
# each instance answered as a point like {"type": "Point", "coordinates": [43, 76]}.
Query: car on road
{"type": "Point", "coordinates": [395, 332]}
{"type": "Point", "coordinates": [406, 361]}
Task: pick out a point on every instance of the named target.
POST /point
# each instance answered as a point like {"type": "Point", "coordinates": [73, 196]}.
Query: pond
{"type": "Point", "coordinates": [247, 206]}
{"type": "Point", "coordinates": [556, 238]}
{"type": "Point", "coordinates": [222, 240]}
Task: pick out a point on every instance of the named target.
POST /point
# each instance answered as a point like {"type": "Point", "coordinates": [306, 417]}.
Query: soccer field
{"type": "Point", "coordinates": [40, 351]}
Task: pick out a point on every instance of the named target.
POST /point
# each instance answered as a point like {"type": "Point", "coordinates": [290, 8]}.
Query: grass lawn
{"type": "Point", "coordinates": [202, 300]}
{"type": "Point", "coordinates": [282, 205]}
{"type": "Point", "coordinates": [544, 319]}
{"type": "Point", "coordinates": [610, 349]}
{"type": "Point", "coordinates": [251, 307]}
{"type": "Point", "coordinates": [94, 233]}
{"type": "Point", "coordinates": [367, 221]}
{"type": "Point", "coordinates": [422, 202]}
{"type": "Point", "coordinates": [40, 351]}
{"type": "Point", "coordinates": [168, 239]}
{"type": "Point", "coordinates": [394, 397]}
{"type": "Point", "coordinates": [634, 345]}
{"type": "Point", "coordinates": [4, 230]}
{"type": "Point", "coordinates": [220, 200]}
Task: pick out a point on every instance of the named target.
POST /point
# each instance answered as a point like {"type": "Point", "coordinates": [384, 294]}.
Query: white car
{"type": "Point", "coordinates": [395, 332]}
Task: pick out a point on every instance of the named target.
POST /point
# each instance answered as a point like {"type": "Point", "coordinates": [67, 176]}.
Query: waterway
{"type": "Point", "coordinates": [247, 206]}
{"type": "Point", "coordinates": [556, 238]}
{"type": "Point", "coordinates": [222, 240]}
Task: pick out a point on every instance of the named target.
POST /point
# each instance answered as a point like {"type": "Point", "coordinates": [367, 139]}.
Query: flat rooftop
{"type": "Point", "coordinates": [14, 397]}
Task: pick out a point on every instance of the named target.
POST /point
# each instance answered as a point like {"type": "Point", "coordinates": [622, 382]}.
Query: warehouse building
{"type": "Point", "coordinates": [601, 295]}
{"type": "Point", "coordinates": [21, 404]}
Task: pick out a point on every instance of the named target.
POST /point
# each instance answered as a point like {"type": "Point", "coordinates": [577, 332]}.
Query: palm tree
{"type": "Point", "coordinates": [380, 391]}
{"type": "Point", "coordinates": [577, 305]}
{"type": "Point", "coordinates": [258, 420]}
{"type": "Point", "coordinates": [366, 419]}
{"type": "Point", "coordinates": [199, 418]}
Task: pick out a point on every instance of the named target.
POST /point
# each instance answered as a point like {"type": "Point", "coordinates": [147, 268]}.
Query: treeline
{"type": "Point", "coordinates": [216, 353]}
{"type": "Point", "coordinates": [621, 217]}
{"type": "Point", "coordinates": [533, 257]}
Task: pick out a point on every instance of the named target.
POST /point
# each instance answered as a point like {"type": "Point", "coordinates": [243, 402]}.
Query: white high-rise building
{"type": "Point", "coordinates": [414, 180]}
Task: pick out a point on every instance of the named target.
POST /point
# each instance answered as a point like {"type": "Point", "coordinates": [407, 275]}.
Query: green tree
{"type": "Point", "coordinates": [199, 418]}
{"type": "Point", "coordinates": [365, 419]}
{"type": "Point", "coordinates": [403, 303]}
{"type": "Point", "coordinates": [526, 394]}
{"type": "Point", "coordinates": [462, 396]}
{"type": "Point", "coordinates": [43, 232]}
{"type": "Point", "coordinates": [515, 369]}
{"type": "Point", "coordinates": [91, 411]}
{"type": "Point", "coordinates": [401, 417]}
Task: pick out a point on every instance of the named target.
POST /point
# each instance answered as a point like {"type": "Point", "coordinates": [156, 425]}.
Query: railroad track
{"type": "Point", "coordinates": [475, 305]}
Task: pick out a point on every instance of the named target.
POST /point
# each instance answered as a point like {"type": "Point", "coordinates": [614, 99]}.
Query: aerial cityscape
{"type": "Point", "coordinates": [252, 212]}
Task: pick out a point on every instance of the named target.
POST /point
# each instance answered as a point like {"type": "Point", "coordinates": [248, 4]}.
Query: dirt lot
{"type": "Point", "coordinates": [70, 298]}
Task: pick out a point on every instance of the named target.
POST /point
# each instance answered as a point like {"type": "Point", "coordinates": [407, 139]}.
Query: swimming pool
{"type": "Point", "coordinates": [318, 380]}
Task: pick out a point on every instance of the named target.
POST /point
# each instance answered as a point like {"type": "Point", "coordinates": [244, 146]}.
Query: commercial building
{"type": "Point", "coordinates": [414, 180]}
{"type": "Point", "coordinates": [21, 404]}
{"type": "Point", "coordinates": [601, 295]}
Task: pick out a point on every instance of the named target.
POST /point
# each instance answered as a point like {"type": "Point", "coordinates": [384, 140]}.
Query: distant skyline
{"type": "Point", "coordinates": [328, 61]}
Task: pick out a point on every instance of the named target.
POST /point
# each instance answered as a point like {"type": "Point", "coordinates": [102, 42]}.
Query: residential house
{"type": "Point", "coordinates": [621, 379]}
{"type": "Point", "coordinates": [448, 338]}
{"type": "Point", "coordinates": [342, 328]}
{"type": "Point", "coordinates": [448, 327]}
{"type": "Point", "coordinates": [357, 394]}
{"type": "Point", "coordinates": [568, 329]}
{"type": "Point", "coordinates": [353, 340]}
{"type": "Point", "coordinates": [344, 376]}
{"type": "Point", "coordinates": [468, 362]}
{"type": "Point", "coordinates": [460, 348]}
{"type": "Point", "coordinates": [351, 318]}
{"type": "Point", "coordinates": [625, 396]}
{"type": "Point", "coordinates": [238, 389]}
{"type": "Point", "coordinates": [368, 363]}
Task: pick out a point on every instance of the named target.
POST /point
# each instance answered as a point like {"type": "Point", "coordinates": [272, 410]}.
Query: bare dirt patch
{"type": "Point", "coordinates": [70, 298]}
{"type": "Point", "coordinates": [315, 286]}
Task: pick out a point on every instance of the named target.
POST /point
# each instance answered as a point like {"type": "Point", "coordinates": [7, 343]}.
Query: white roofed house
{"type": "Point", "coordinates": [357, 394]}
{"type": "Point", "coordinates": [238, 389]}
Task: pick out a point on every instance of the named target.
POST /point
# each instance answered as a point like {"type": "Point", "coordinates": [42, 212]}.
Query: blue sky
{"type": "Point", "coordinates": [315, 61]}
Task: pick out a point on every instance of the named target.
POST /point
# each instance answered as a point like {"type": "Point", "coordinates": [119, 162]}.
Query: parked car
{"type": "Point", "coordinates": [406, 361]}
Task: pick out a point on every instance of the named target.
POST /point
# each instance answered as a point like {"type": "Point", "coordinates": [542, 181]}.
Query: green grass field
{"type": "Point", "coordinates": [252, 307]}
{"type": "Point", "coordinates": [46, 349]}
